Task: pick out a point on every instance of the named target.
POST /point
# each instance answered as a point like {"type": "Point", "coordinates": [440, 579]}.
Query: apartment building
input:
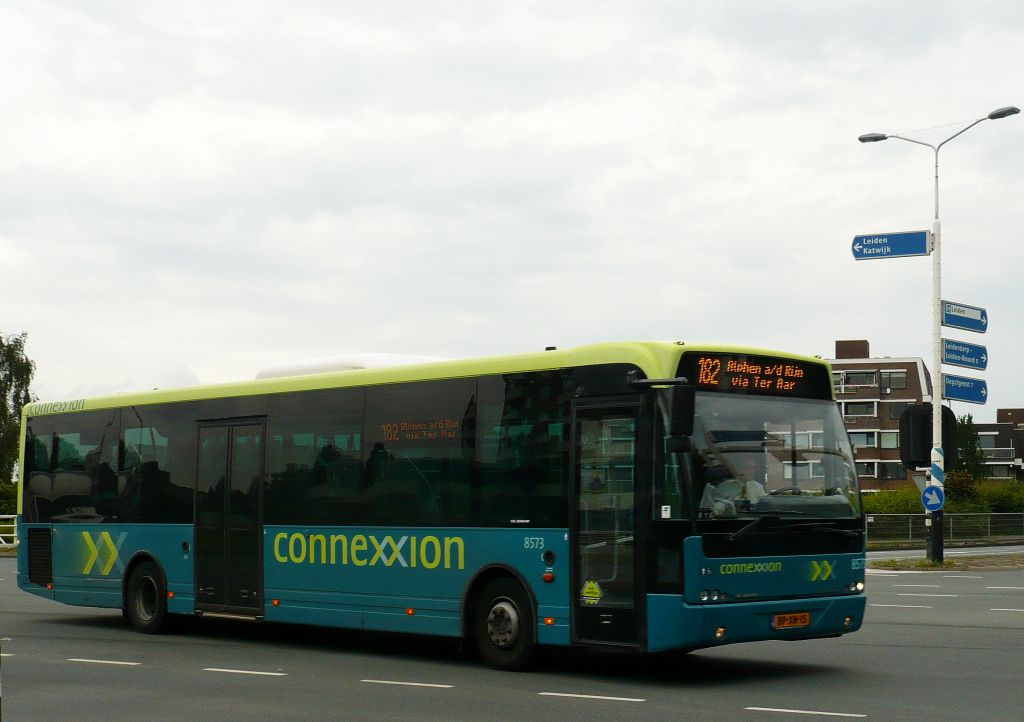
{"type": "Point", "coordinates": [1002, 444]}
{"type": "Point", "coordinates": [872, 393]}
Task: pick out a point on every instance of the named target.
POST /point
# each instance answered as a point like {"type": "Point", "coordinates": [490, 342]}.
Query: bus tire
{"type": "Point", "coordinates": [503, 625]}
{"type": "Point", "coordinates": [145, 602]}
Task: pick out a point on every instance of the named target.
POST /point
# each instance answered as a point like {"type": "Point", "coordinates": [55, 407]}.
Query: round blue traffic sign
{"type": "Point", "coordinates": [933, 498]}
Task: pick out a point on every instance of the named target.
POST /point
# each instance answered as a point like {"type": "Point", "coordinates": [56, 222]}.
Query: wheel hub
{"type": "Point", "coordinates": [503, 624]}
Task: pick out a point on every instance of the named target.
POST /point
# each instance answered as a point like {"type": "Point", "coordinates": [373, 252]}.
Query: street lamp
{"type": "Point", "coordinates": [938, 474]}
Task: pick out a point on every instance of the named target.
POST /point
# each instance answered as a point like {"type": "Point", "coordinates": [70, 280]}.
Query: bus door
{"type": "Point", "coordinates": [229, 505]}
{"type": "Point", "coordinates": [604, 548]}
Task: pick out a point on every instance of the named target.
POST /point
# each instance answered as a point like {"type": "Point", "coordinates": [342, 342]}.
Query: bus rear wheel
{"type": "Point", "coordinates": [145, 603]}
{"type": "Point", "coordinates": [503, 625]}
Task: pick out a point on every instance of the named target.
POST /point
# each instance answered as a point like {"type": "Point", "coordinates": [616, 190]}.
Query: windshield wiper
{"type": "Point", "coordinates": [823, 526]}
{"type": "Point", "coordinates": [753, 525]}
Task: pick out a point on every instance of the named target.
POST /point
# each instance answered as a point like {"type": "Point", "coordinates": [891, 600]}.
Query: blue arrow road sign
{"type": "Point", "coordinates": [933, 498]}
{"type": "Point", "coordinates": [967, 355]}
{"type": "Point", "coordinates": [891, 245]}
{"type": "Point", "coordinates": [964, 388]}
{"type": "Point", "coordinates": [960, 315]}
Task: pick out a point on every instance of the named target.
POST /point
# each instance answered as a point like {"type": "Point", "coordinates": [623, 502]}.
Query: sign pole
{"type": "Point", "coordinates": [938, 475]}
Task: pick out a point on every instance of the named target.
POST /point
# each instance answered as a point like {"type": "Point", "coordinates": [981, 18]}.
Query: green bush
{"type": "Point", "coordinates": [961, 487]}
{"type": "Point", "coordinates": [963, 496]}
{"type": "Point", "coordinates": [905, 500]}
{"type": "Point", "coordinates": [1001, 497]}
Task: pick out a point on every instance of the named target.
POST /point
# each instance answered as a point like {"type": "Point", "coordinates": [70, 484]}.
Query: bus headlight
{"type": "Point", "coordinates": [704, 595]}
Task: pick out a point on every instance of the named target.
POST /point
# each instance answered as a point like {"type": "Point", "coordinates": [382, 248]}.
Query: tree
{"type": "Point", "coordinates": [16, 371]}
{"type": "Point", "coordinates": [969, 456]}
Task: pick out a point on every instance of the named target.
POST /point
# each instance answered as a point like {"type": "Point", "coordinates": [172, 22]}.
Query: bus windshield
{"type": "Point", "coordinates": [756, 456]}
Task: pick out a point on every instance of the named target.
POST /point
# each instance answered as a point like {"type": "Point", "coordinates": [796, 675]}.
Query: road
{"type": "Point", "coordinates": [935, 646]}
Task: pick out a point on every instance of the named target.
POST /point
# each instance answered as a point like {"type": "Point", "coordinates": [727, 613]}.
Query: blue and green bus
{"type": "Point", "coordinates": [634, 496]}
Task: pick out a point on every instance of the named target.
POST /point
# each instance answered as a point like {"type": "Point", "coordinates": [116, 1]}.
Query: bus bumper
{"type": "Point", "coordinates": [674, 624]}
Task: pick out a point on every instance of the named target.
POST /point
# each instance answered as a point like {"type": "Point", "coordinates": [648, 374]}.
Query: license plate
{"type": "Point", "coordinates": [792, 620]}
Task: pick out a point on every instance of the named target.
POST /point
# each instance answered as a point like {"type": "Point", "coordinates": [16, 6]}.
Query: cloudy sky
{"type": "Point", "coordinates": [192, 191]}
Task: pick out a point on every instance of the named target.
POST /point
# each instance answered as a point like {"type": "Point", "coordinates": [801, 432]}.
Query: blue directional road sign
{"type": "Point", "coordinates": [967, 355]}
{"type": "Point", "coordinates": [960, 315]}
{"type": "Point", "coordinates": [964, 388]}
{"type": "Point", "coordinates": [891, 245]}
{"type": "Point", "coordinates": [933, 498]}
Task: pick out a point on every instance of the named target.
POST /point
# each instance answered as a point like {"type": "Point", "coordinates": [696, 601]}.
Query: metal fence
{"type": "Point", "coordinates": [910, 529]}
{"type": "Point", "coordinates": [8, 531]}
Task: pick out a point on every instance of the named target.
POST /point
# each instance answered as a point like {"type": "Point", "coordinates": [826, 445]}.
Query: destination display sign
{"type": "Point", "coordinates": [751, 374]}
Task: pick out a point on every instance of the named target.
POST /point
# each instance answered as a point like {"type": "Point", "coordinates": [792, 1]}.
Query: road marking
{"type": "Point", "coordinates": [920, 594]}
{"type": "Point", "coordinates": [6, 654]}
{"type": "Point", "coordinates": [1006, 610]}
{"type": "Point", "coordinates": [591, 696]}
{"type": "Point", "coordinates": [902, 606]}
{"type": "Point", "coordinates": [1004, 587]}
{"type": "Point", "coordinates": [804, 711]}
{"type": "Point", "coordinates": [960, 576]}
{"type": "Point", "coordinates": [105, 661]}
{"type": "Point", "coordinates": [407, 684]}
{"type": "Point", "coordinates": [928, 586]}
{"type": "Point", "coordinates": [244, 671]}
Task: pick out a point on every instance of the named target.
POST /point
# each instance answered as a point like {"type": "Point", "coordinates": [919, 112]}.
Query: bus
{"type": "Point", "coordinates": [643, 497]}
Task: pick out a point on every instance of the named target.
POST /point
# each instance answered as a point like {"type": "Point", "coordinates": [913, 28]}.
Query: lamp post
{"type": "Point", "coordinates": [938, 474]}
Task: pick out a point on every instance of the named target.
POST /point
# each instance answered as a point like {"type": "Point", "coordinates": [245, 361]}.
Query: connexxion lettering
{"type": "Point", "coordinates": [363, 550]}
{"type": "Point", "coordinates": [751, 568]}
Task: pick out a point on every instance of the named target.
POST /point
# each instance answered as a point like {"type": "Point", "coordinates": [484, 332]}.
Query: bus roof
{"type": "Point", "coordinates": [656, 359]}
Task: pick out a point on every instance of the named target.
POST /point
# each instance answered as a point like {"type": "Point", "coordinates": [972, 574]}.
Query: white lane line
{"type": "Point", "coordinates": [923, 586]}
{"type": "Point", "coordinates": [960, 576]}
{"type": "Point", "coordinates": [591, 696]}
{"type": "Point", "coordinates": [902, 606]}
{"type": "Point", "coordinates": [407, 684]}
{"type": "Point", "coordinates": [2, 654]}
{"type": "Point", "coordinates": [1004, 587]}
{"type": "Point", "coordinates": [105, 661]}
{"type": "Point", "coordinates": [920, 594]}
{"type": "Point", "coordinates": [804, 711]}
{"type": "Point", "coordinates": [1006, 610]}
{"type": "Point", "coordinates": [244, 671]}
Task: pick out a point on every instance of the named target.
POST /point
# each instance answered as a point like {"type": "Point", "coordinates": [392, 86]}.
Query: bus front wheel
{"type": "Point", "coordinates": [503, 625]}
{"type": "Point", "coordinates": [145, 603]}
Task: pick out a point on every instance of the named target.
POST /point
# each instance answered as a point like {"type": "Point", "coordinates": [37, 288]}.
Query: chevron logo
{"type": "Point", "coordinates": [820, 571]}
{"type": "Point", "coordinates": [112, 551]}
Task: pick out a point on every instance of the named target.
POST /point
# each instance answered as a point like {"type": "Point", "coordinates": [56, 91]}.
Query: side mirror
{"type": "Point", "coordinates": [683, 409]}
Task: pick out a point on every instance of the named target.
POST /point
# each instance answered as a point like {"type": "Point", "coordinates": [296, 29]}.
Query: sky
{"type": "Point", "coordinates": [193, 191]}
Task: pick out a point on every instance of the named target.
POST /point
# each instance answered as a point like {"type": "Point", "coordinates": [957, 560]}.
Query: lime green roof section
{"type": "Point", "coordinates": [656, 359]}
